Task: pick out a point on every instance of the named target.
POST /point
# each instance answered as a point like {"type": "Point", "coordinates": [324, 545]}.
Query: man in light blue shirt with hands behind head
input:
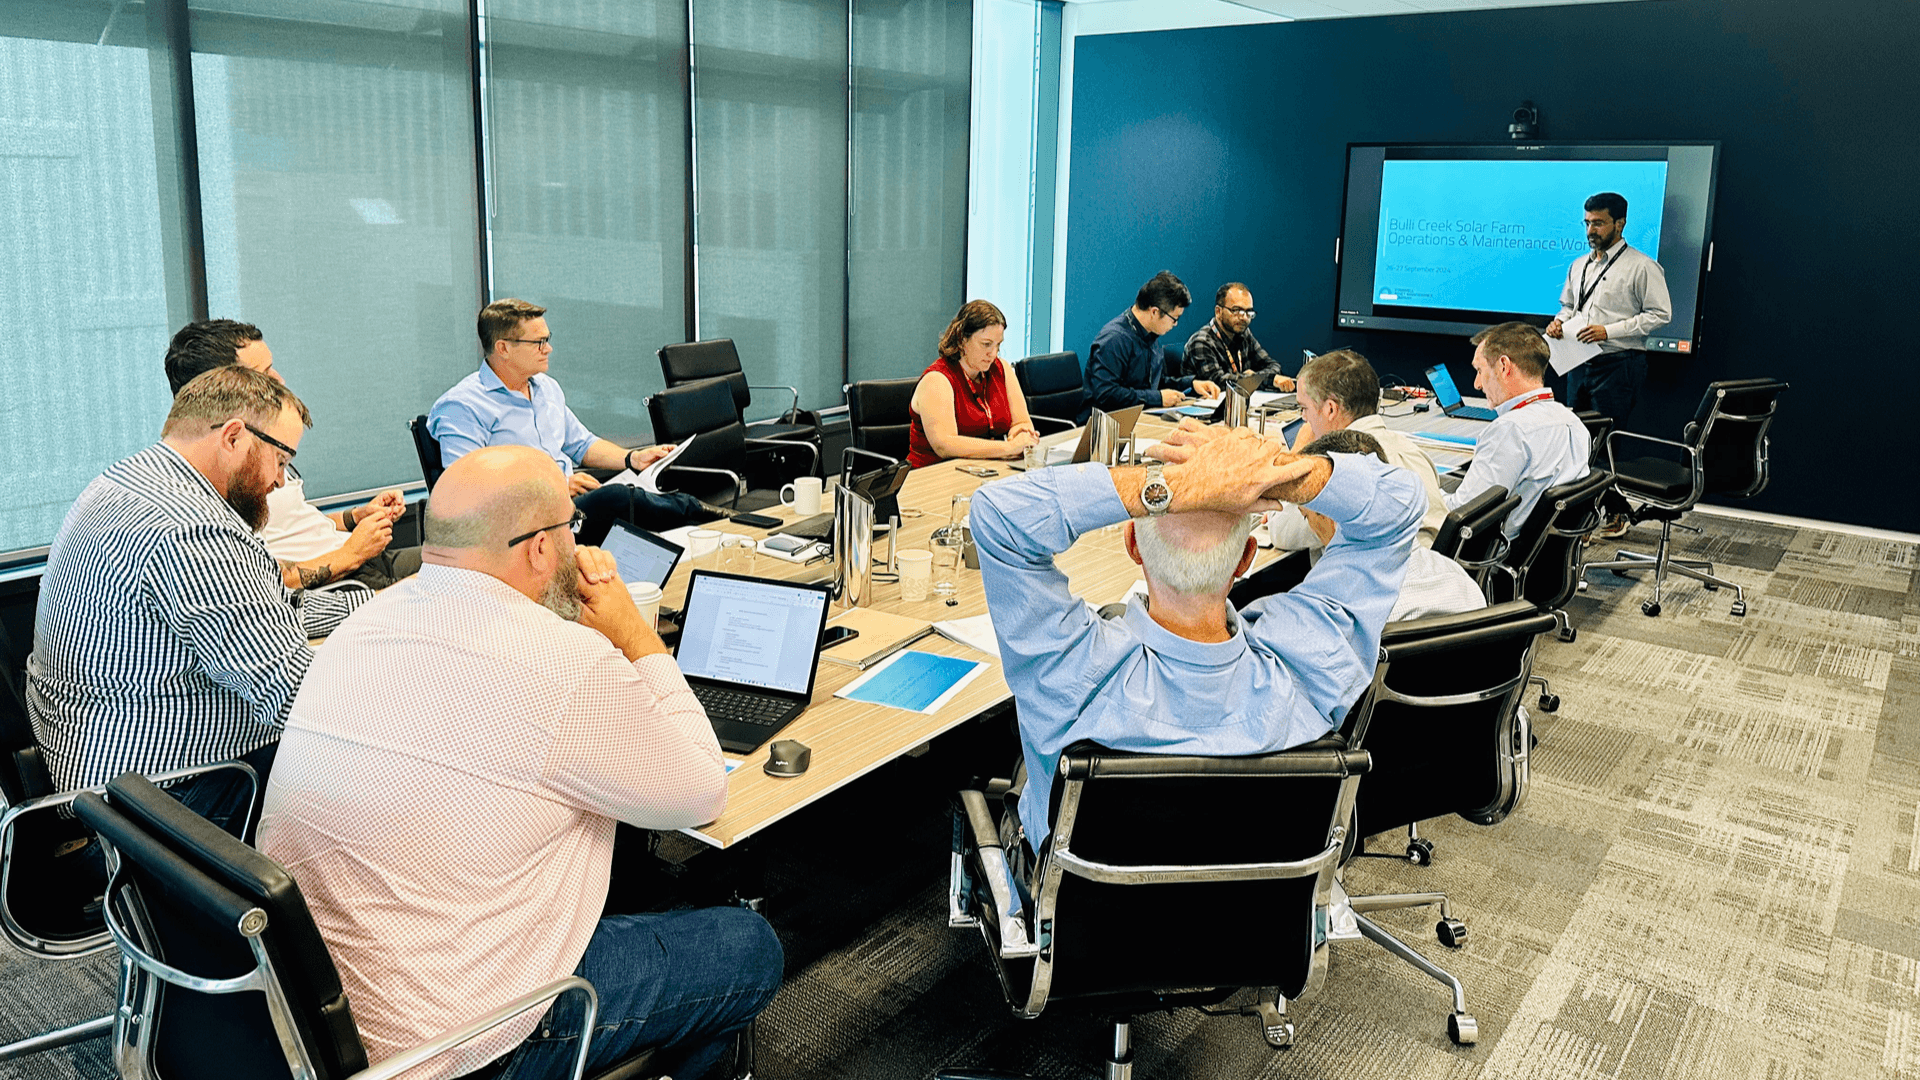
{"type": "Point", "coordinates": [1184, 672]}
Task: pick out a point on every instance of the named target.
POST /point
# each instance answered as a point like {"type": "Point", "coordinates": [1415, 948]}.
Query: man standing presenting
{"type": "Point", "coordinates": [313, 549]}
{"type": "Point", "coordinates": [164, 638]}
{"type": "Point", "coordinates": [1226, 348]}
{"type": "Point", "coordinates": [449, 783]}
{"type": "Point", "coordinates": [1621, 294]}
{"type": "Point", "coordinates": [1125, 364]}
{"type": "Point", "coordinates": [512, 401]}
{"type": "Point", "coordinates": [1535, 442]}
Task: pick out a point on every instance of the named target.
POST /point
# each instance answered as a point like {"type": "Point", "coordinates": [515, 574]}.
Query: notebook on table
{"type": "Point", "coordinates": [1447, 396]}
{"type": "Point", "coordinates": [750, 649]}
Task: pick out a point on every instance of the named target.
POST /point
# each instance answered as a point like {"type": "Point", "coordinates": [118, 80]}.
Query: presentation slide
{"type": "Point", "coordinates": [1498, 236]}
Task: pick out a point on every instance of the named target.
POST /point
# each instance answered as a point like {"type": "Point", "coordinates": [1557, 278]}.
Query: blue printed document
{"type": "Point", "coordinates": [1443, 437]}
{"type": "Point", "coordinates": [915, 680]}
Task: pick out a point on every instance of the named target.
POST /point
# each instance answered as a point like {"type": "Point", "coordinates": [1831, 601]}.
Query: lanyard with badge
{"type": "Point", "coordinates": [1587, 291]}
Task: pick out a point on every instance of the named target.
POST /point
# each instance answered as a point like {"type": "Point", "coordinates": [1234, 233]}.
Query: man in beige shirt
{"type": "Point", "coordinates": [449, 781]}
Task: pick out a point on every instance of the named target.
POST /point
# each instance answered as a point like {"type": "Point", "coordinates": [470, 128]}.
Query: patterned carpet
{"type": "Point", "coordinates": [1716, 874]}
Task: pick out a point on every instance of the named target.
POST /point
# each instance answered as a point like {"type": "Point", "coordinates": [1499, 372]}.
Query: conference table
{"type": "Point", "coordinates": [849, 739]}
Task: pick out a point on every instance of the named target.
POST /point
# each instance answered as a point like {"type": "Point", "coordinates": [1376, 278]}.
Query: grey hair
{"type": "Point", "coordinates": [507, 512]}
{"type": "Point", "coordinates": [1191, 573]}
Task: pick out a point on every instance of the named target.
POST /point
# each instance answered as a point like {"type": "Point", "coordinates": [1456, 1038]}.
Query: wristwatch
{"type": "Point", "coordinates": [628, 461]}
{"type": "Point", "coordinates": [1155, 495]}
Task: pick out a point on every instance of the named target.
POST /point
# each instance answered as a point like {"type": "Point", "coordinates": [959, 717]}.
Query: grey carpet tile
{"type": "Point", "coordinates": [1715, 873]}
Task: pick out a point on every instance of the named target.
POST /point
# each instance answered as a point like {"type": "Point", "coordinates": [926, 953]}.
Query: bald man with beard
{"type": "Point", "coordinates": [449, 782]}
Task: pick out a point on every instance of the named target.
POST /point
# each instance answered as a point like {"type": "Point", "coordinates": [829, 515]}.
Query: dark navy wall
{"type": "Point", "coordinates": [1221, 154]}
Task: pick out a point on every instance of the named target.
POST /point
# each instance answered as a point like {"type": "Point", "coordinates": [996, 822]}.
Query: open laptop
{"type": "Point", "coordinates": [881, 486]}
{"type": "Point", "coordinates": [750, 648]}
{"type": "Point", "coordinates": [1447, 396]}
{"type": "Point", "coordinates": [1124, 421]}
{"type": "Point", "coordinates": [641, 555]}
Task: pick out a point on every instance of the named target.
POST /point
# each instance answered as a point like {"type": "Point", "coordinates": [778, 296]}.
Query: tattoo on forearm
{"type": "Point", "coordinates": [312, 577]}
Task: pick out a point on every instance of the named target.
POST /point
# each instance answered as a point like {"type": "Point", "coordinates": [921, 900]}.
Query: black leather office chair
{"type": "Point", "coordinates": [877, 412]}
{"type": "Point", "coordinates": [1598, 428]}
{"type": "Point", "coordinates": [1055, 389]}
{"type": "Point", "coordinates": [1722, 452]}
{"type": "Point", "coordinates": [1542, 564]}
{"type": "Point", "coordinates": [1173, 360]}
{"type": "Point", "coordinates": [428, 448]}
{"type": "Point", "coordinates": [715, 468]}
{"type": "Point", "coordinates": [224, 972]}
{"type": "Point", "coordinates": [1442, 724]}
{"type": "Point", "coordinates": [1138, 836]}
{"type": "Point", "coordinates": [50, 884]}
{"type": "Point", "coordinates": [717, 358]}
{"type": "Point", "coordinates": [1471, 536]}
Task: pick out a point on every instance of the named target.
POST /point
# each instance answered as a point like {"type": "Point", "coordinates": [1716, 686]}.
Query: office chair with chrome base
{"type": "Point", "coordinates": [50, 887]}
{"type": "Point", "coordinates": [718, 358]}
{"type": "Point", "coordinates": [879, 415]}
{"type": "Point", "coordinates": [1725, 449]}
{"type": "Point", "coordinates": [1055, 389]}
{"type": "Point", "coordinates": [1470, 534]}
{"type": "Point", "coordinates": [1442, 725]}
{"type": "Point", "coordinates": [714, 469]}
{"type": "Point", "coordinates": [224, 972]}
{"type": "Point", "coordinates": [1139, 834]}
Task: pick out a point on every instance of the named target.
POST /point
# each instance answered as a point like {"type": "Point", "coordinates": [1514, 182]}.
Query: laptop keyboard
{"type": "Point", "coordinates": [743, 707]}
{"type": "Point", "coordinates": [817, 527]}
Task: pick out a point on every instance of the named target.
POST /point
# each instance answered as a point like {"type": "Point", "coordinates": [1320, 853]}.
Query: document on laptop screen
{"type": "Point", "coordinates": [753, 633]}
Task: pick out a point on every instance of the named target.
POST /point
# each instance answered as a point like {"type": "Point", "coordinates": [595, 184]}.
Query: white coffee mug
{"type": "Point", "coordinates": [646, 597]}
{"type": "Point", "coordinates": [803, 495]}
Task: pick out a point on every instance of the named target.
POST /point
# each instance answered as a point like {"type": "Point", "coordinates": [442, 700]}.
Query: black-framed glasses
{"type": "Point", "coordinates": [1246, 311]}
{"type": "Point", "coordinates": [1172, 317]}
{"type": "Point", "coordinates": [536, 342]}
{"type": "Point", "coordinates": [572, 523]}
{"type": "Point", "coordinates": [263, 437]}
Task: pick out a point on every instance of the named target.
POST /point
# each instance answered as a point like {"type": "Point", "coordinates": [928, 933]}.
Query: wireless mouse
{"type": "Point", "coordinates": [786, 757]}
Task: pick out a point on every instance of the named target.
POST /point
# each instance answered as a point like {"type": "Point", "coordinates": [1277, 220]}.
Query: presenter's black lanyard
{"type": "Point", "coordinates": [1587, 291]}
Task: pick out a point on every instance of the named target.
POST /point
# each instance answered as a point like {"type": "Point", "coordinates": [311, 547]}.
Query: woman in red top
{"type": "Point", "coordinates": [968, 405]}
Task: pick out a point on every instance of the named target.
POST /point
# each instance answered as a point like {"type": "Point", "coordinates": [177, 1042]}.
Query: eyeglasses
{"type": "Point", "coordinates": [1247, 311]}
{"type": "Point", "coordinates": [572, 523]}
{"type": "Point", "coordinates": [1172, 317]}
{"type": "Point", "coordinates": [536, 342]}
{"type": "Point", "coordinates": [263, 437]}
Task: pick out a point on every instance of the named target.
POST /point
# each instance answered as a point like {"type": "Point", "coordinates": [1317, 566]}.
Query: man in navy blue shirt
{"type": "Point", "coordinates": [1125, 364]}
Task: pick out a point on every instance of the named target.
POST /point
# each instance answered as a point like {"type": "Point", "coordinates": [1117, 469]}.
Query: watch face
{"type": "Point", "coordinates": [1157, 495]}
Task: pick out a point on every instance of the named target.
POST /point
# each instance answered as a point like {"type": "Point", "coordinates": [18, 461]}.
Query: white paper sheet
{"type": "Point", "coordinates": [1567, 351]}
{"type": "Point", "coordinates": [648, 479]}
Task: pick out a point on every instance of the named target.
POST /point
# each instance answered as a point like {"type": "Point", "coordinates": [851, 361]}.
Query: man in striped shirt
{"type": "Point", "coordinates": [165, 638]}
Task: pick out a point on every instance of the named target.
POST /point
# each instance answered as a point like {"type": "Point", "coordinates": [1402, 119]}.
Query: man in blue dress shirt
{"type": "Point", "coordinates": [1535, 443]}
{"type": "Point", "coordinates": [1126, 365]}
{"type": "Point", "coordinates": [512, 400]}
{"type": "Point", "coordinates": [1184, 672]}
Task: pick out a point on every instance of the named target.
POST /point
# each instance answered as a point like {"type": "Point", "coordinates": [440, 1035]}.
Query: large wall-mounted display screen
{"type": "Point", "coordinates": [1448, 239]}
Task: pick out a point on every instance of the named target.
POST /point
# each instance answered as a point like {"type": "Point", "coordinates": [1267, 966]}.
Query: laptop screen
{"type": "Point", "coordinates": [640, 555]}
{"type": "Point", "coordinates": [1444, 391]}
{"type": "Point", "coordinates": [754, 633]}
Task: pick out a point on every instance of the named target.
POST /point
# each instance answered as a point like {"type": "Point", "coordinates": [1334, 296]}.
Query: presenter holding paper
{"type": "Point", "coordinates": [1613, 297]}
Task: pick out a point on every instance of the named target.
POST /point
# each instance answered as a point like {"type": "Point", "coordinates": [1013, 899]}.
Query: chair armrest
{"type": "Point", "coordinates": [1693, 452]}
{"type": "Point", "coordinates": [1111, 874]}
{"type": "Point", "coordinates": [793, 407]}
{"type": "Point", "coordinates": [1065, 425]}
{"type": "Point", "coordinates": [739, 485]}
{"type": "Point", "coordinates": [433, 1048]}
{"type": "Point", "coordinates": [975, 831]}
{"type": "Point", "coordinates": [790, 444]}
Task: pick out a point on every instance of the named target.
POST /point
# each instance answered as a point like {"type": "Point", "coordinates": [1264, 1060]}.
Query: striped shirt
{"type": "Point", "coordinates": [164, 637]}
{"type": "Point", "coordinates": [446, 796]}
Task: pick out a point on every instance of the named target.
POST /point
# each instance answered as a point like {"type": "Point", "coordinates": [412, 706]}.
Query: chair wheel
{"type": "Point", "coordinates": [1740, 608]}
{"type": "Point", "coordinates": [1279, 1036]}
{"type": "Point", "coordinates": [1582, 587]}
{"type": "Point", "coordinates": [1711, 588]}
{"type": "Point", "coordinates": [1452, 933]}
{"type": "Point", "coordinates": [1549, 702]}
{"type": "Point", "coordinates": [1650, 609]}
{"type": "Point", "coordinates": [1462, 1029]}
{"type": "Point", "coordinates": [1570, 634]}
{"type": "Point", "coordinates": [1619, 573]}
{"type": "Point", "coordinates": [1420, 852]}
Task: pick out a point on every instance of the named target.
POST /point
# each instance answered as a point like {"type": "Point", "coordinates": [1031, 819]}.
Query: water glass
{"type": "Point", "coordinates": [916, 573]}
{"type": "Point", "coordinates": [736, 555]}
{"type": "Point", "coordinates": [949, 557]}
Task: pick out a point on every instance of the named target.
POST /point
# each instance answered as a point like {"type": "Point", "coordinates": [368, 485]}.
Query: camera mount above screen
{"type": "Point", "coordinates": [1451, 239]}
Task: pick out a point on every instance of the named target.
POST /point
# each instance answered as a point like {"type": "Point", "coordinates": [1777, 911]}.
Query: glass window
{"type": "Point", "coordinates": [337, 189]}
{"type": "Point", "coordinates": [84, 267]}
{"type": "Point", "coordinates": [770, 131]}
{"type": "Point", "coordinates": [907, 251]}
{"type": "Point", "coordinates": [587, 117]}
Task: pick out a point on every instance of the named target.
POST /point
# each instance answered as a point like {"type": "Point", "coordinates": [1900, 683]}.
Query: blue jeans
{"type": "Point", "coordinates": [222, 797]}
{"type": "Point", "coordinates": [623, 502]}
{"type": "Point", "coordinates": [682, 980]}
